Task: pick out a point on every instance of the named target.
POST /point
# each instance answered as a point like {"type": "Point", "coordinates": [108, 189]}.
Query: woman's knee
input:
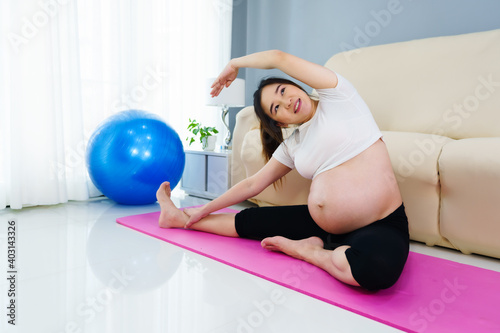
{"type": "Point", "coordinates": [372, 271]}
{"type": "Point", "coordinates": [341, 267]}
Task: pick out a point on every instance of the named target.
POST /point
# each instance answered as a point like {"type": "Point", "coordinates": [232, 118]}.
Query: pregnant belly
{"type": "Point", "coordinates": [356, 193]}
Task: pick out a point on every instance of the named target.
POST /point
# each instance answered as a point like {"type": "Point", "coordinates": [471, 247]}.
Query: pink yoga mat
{"type": "Point", "coordinates": [432, 295]}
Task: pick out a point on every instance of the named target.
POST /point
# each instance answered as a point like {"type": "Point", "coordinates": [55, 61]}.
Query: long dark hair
{"type": "Point", "coordinates": [270, 133]}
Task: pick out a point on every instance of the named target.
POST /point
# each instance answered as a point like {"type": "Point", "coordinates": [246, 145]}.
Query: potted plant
{"type": "Point", "coordinates": [206, 135]}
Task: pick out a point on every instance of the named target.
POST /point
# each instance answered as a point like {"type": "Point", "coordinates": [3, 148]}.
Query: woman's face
{"type": "Point", "coordinates": [287, 104]}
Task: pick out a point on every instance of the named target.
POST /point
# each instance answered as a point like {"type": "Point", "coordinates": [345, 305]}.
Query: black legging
{"type": "Point", "coordinates": [377, 252]}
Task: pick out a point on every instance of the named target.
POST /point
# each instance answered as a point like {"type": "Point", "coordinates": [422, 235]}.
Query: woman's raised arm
{"type": "Point", "coordinates": [314, 75]}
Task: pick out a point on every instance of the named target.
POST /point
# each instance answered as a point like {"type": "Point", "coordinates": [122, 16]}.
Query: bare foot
{"type": "Point", "coordinates": [170, 216]}
{"type": "Point", "coordinates": [300, 249]}
{"type": "Point", "coordinates": [311, 250]}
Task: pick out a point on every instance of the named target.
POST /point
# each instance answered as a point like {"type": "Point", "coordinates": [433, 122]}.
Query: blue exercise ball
{"type": "Point", "coordinates": [131, 153]}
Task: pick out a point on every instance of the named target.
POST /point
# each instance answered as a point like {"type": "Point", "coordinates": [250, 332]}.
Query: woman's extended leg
{"type": "Point", "coordinates": [172, 217]}
{"type": "Point", "coordinates": [309, 249]}
{"type": "Point", "coordinates": [312, 251]}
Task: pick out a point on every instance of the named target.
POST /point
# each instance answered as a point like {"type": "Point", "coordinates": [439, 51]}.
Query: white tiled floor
{"type": "Point", "coordinates": [79, 271]}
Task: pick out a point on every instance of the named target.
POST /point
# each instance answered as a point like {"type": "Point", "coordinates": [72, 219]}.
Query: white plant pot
{"type": "Point", "coordinates": [208, 143]}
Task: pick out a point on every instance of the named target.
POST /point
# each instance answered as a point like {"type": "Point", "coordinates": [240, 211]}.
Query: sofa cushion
{"type": "Point", "coordinates": [414, 158]}
{"type": "Point", "coordinates": [470, 192]}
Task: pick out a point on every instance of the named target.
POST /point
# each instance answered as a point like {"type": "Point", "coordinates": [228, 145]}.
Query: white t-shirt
{"type": "Point", "coordinates": [341, 128]}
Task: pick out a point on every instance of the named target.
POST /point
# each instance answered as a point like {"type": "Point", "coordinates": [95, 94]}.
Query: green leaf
{"type": "Point", "coordinates": [197, 130]}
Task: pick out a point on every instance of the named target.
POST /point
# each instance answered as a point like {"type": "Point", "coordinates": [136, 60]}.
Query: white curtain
{"type": "Point", "coordinates": [66, 65]}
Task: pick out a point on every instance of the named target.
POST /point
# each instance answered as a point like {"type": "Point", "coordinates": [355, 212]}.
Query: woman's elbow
{"type": "Point", "coordinates": [253, 186]}
{"type": "Point", "coordinates": [275, 58]}
{"type": "Point", "coordinates": [279, 55]}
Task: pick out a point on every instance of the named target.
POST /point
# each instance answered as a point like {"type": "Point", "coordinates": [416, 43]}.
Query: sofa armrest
{"type": "Point", "coordinates": [246, 120]}
{"type": "Point", "coordinates": [294, 189]}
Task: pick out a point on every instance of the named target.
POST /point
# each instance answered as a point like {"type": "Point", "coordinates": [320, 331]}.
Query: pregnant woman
{"type": "Point", "coordinates": [354, 225]}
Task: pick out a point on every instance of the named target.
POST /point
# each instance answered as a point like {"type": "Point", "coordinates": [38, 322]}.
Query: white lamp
{"type": "Point", "coordinates": [229, 97]}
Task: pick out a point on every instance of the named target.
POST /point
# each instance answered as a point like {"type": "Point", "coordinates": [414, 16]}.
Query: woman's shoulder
{"type": "Point", "coordinates": [343, 89]}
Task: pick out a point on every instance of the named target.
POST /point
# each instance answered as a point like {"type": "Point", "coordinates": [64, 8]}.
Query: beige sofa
{"type": "Point", "coordinates": [437, 101]}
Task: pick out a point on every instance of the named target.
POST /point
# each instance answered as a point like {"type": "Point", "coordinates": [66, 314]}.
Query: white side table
{"type": "Point", "coordinates": [206, 173]}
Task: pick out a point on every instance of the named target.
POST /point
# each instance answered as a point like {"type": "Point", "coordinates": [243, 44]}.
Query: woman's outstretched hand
{"type": "Point", "coordinates": [226, 77]}
{"type": "Point", "coordinates": [195, 214]}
